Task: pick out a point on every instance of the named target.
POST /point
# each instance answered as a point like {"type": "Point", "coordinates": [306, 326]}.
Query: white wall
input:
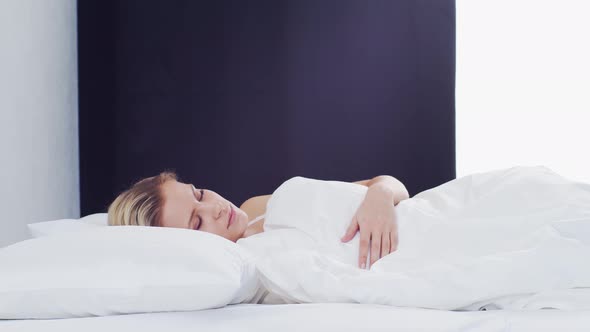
{"type": "Point", "coordinates": [39, 176]}
{"type": "Point", "coordinates": [523, 85]}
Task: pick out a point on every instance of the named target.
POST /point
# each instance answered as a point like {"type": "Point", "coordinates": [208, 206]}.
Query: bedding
{"type": "Point", "coordinates": [121, 270]}
{"type": "Point", "coordinates": [519, 232]}
{"type": "Point", "coordinates": [509, 239]}
{"type": "Point", "coordinates": [324, 317]}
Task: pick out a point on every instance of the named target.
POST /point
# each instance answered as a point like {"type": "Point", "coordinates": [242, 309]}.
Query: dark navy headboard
{"type": "Point", "coordinates": [238, 96]}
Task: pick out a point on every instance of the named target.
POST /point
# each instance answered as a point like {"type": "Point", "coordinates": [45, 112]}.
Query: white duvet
{"type": "Point", "coordinates": [514, 238]}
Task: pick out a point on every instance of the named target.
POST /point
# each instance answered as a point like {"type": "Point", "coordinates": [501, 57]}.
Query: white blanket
{"type": "Point", "coordinates": [511, 236]}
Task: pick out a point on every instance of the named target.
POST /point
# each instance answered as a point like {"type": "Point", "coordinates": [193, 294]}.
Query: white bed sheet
{"type": "Point", "coordinates": [317, 317]}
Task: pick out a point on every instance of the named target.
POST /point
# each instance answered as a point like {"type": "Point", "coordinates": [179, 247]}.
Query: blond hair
{"type": "Point", "coordinates": [140, 205]}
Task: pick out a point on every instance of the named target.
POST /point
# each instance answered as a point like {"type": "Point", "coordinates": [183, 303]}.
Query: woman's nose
{"type": "Point", "coordinates": [219, 210]}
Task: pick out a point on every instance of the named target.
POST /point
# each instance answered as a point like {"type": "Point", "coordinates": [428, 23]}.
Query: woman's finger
{"type": "Point", "coordinates": [364, 248]}
{"type": "Point", "coordinates": [385, 244]}
{"type": "Point", "coordinates": [375, 247]}
{"type": "Point", "coordinates": [351, 230]}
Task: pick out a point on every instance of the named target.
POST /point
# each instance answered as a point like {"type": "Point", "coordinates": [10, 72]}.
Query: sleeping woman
{"type": "Point", "coordinates": [507, 237]}
{"type": "Point", "coordinates": [164, 201]}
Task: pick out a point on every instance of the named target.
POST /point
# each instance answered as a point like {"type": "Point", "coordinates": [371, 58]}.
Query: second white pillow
{"type": "Point", "coordinates": [68, 225]}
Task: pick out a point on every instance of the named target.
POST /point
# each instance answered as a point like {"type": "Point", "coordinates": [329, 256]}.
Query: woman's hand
{"type": "Point", "coordinates": [376, 220]}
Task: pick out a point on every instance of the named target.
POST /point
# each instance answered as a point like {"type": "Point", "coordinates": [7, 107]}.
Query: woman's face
{"type": "Point", "coordinates": [194, 208]}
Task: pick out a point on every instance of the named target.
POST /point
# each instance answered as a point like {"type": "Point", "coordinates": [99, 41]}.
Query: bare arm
{"type": "Point", "coordinates": [388, 186]}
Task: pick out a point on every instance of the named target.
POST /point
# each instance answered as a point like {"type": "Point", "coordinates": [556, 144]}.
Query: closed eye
{"type": "Point", "coordinates": [201, 192]}
{"type": "Point", "coordinates": [194, 210]}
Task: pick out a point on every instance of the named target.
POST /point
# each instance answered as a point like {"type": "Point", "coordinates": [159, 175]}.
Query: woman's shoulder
{"type": "Point", "coordinates": [255, 206]}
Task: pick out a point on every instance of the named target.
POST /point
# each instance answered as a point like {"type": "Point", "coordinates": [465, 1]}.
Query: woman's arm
{"type": "Point", "coordinates": [388, 186]}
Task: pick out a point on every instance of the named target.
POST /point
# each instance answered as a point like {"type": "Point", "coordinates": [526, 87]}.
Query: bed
{"type": "Point", "coordinates": [150, 278]}
{"type": "Point", "coordinates": [317, 317]}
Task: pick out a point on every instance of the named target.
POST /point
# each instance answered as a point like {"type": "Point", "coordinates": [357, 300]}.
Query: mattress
{"type": "Point", "coordinates": [317, 317]}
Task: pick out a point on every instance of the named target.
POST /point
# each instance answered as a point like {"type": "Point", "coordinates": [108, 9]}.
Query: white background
{"type": "Point", "coordinates": [523, 85]}
{"type": "Point", "coordinates": [38, 114]}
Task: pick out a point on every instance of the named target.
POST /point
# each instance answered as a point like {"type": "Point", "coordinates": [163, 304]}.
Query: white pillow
{"type": "Point", "coordinates": [121, 270]}
{"type": "Point", "coordinates": [67, 225]}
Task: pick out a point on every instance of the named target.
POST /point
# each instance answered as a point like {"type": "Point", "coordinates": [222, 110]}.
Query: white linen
{"type": "Point", "coordinates": [324, 317]}
{"type": "Point", "coordinates": [120, 270]}
{"type": "Point", "coordinates": [516, 231]}
{"type": "Point", "coordinates": [564, 299]}
{"type": "Point", "coordinates": [45, 228]}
